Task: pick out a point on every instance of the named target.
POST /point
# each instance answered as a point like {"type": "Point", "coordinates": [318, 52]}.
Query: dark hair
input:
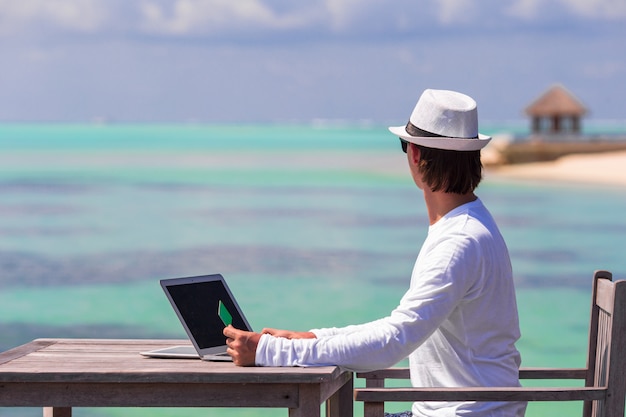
{"type": "Point", "coordinates": [457, 172]}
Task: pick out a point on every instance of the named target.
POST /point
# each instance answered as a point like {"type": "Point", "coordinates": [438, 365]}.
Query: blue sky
{"type": "Point", "coordinates": [289, 61]}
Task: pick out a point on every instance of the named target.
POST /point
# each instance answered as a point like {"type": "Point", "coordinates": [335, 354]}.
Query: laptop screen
{"type": "Point", "coordinates": [205, 306]}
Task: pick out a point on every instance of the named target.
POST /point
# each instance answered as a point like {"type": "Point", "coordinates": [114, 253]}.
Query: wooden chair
{"type": "Point", "coordinates": [605, 375]}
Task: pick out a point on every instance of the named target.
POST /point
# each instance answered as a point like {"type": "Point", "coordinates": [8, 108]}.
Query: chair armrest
{"type": "Point", "coordinates": [524, 373]}
{"type": "Point", "coordinates": [379, 395]}
{"type": "Point", "coordinates": [553, 373]}
{"type": "Point", "coordinates": [389, 373]}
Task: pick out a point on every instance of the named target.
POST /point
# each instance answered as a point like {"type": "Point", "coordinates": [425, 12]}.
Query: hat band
{"type": "Point", "coordinates": [413, 130]}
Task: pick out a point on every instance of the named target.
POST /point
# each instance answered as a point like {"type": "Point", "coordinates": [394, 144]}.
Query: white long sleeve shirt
{"type": "Point", "coordinates": [457, 322]}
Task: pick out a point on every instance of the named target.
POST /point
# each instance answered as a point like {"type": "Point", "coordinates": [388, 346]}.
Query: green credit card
{"type": "Point", "coordinates": [224, 314]}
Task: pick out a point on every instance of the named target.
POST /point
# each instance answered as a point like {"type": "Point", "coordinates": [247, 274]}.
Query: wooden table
{"type": "Point", "coordinates": [58, 374]}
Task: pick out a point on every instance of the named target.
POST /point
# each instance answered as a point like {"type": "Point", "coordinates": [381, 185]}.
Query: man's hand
{"type": "Point", "coordinates": [241, 345]}
{"type": "Point", "coordinates": [288, 334]}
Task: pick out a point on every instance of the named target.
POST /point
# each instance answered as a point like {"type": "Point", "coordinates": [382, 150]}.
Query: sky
{"type": "Point", "coordinates": [251, 61]}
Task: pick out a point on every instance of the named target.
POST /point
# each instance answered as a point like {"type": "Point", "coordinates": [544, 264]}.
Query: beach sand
{"type": "Point", "coordinates": [607, 169]}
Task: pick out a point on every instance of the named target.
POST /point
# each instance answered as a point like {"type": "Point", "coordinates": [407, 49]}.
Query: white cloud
{"type": "Point", "coordinates": [211, 16]}
{"type": "Point", "coordinates": [323, 17]}
{"type": "Point", "coordinates": [75, 15]}
{"type": "Point", "coordinates": [256, 19]}
{"type": "Point", "coordinates": [456, 11]}
{"type": "Point", "coordinates": [590, 9]}
{"type": "Point", "coordinates": [524, 9]}
{"type": "Point", "coordinates": [604, 9]}
{"type": "Point", "coordinates": [342, 13]}
{"type": "Point", "coordinates": [403, 15]}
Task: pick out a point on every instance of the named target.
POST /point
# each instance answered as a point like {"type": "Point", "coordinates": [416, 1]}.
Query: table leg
{"type": "Point", "coordinates": [57, 412]}
{"type": "Point", "coordinates": [308, 403]}
{"type": "Point", "coordinates": [341, 403]}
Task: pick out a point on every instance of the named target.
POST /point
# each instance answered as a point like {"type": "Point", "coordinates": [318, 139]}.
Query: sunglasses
{"type": "Point", "coordinates": [404, 144]}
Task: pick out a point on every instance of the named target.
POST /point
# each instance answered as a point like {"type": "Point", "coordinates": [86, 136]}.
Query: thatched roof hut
{"type": "Point", "coordinates": [556, 111]}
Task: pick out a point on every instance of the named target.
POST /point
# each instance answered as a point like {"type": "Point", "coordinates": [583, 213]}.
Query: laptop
{"type": "Point", "coordinates": [204, 306]}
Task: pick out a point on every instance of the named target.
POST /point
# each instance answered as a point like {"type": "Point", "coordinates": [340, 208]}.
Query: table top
{"type": "Point", "coordinates": [116, 360]}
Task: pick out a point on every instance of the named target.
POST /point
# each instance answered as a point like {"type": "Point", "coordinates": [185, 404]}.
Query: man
{"type": "Point", "coordinates": [458, 321]}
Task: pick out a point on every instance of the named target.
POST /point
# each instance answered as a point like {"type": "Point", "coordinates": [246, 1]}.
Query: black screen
{"type": "Point", "coordinates": [198, 305]}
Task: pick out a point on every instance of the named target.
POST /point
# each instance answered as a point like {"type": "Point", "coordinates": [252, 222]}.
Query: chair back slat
{"type": "Point", "coordinates": [605, 295]}
{"type": "Point", "coordinates": [603, 349]}
{"type": "Point", "coordinates": [616, 378]}
{"type": "Point", "coordinates": [604, 358]}
{"type": "Point", "coordinates": [590, 379]}
{"type": "Point", "coordinates": [603, 352]}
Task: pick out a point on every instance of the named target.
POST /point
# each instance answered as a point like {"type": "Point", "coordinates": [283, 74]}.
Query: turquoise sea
{"type": "Point", "coordinates": [312, 225]}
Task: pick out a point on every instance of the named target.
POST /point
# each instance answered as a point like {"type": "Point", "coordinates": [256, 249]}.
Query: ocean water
{"type": "Point", "coordinates": [315, 225]}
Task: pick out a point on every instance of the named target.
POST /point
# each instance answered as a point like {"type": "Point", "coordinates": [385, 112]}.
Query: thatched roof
{"type": "Point", "coordinates": [556, 101]}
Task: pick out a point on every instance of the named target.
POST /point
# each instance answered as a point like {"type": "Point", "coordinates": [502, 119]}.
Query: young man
{"type": "Point", "coordinates": [458, 321]}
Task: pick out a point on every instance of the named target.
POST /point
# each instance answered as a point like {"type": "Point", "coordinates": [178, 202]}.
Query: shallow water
{"type": "Point", "coordinates": [311, 226]}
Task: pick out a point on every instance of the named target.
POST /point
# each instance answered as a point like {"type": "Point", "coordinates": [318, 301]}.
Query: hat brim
{"type": "Point", "coordinates": [452, 144]}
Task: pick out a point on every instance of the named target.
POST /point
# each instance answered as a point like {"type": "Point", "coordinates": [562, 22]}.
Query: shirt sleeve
{"type": "Point", "coordinates": [433, 295]}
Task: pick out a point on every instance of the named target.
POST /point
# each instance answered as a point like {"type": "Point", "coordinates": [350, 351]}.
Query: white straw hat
{"type": "Point", "coordinates": [443, 119]}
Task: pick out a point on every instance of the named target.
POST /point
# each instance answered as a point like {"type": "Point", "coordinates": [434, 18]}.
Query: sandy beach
{"type": "Point", "coordinates": [607, 169]}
